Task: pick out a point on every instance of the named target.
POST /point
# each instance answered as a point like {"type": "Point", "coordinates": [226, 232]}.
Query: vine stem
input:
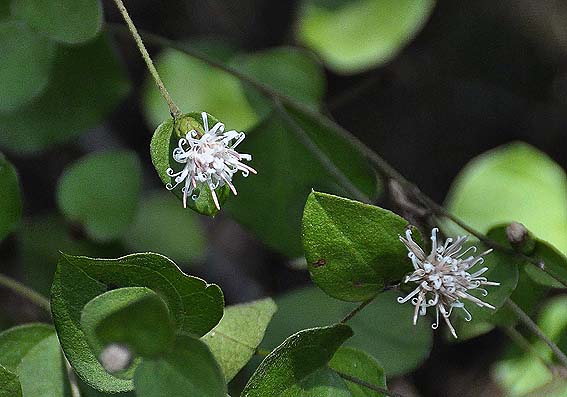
{"type": "Point", "coordinates": [525, 345]}
{"type": "Point", "coordinates": [173, 108]}
{"type": "Point", "coordinates": [368, 385]}
{"type": "Point", "coordinates": [529, 323]}
{"type": "Point", "coordinates": [28, 293]}
{"type": "Point", "coordinates": [356, 310]}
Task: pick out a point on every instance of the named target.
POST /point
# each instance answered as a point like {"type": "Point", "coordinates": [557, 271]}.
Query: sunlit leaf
{"type": "Point", "coordinates": [86, 83]}
{"type": "Point", "coordinates": [352, 249]}
{"type": "Point", "coordinates": [196, 86]}
{"type": "Point", "coordinates": [234, 340]}
{"type": "Point", "coordinates": [515, 182]}
{"type": "Point", "coordinates": [19, 46]}
{"type": "Point", "coordinates": [68, 21]}
{"type": "Point", "coordinates": [353, 36]}
{"type": "Point", "coordinates": [101, 192]}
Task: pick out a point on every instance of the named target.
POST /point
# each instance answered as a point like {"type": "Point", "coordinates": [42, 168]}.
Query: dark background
{"type": "Point", "coordinates": [481, 73]}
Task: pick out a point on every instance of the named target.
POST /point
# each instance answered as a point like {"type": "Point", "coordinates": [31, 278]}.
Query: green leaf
{"type": "Point", "coordinates": [195, 85]}
{"type": "Point", "coordinates": [101, 192]}
{"type": "Point", "coordinates": [134, 316]}
{"type": "Point", "coordinates": [191, 371]}
{"type": "Point", "coordinates": [19, 45]}
{"type": "Point", "coordinates": [296, 358]}
{"type": "Point", "coordinates": [360, 365]}
{"type": "Point", "coordinates": [352, 249]}
{"type": "Point", "coordinates": [68, 21]}
{"type": "Point", "coordinates": [164, 141]}
{"type": "Point", "coordinates": [288, 70]}
{"type": "Point", "coordinates": [275, 148]}
{"type": "Point", "coordinates": [163, 225]}
{"type": "Point", "coordinates": [32, 352]}
{"type": "Point", "coordinates": [515, 182]}
{"type": "Point", "coordinates": [9, 384]}
{"type": "Point", "coordinates": [234, 340]}
{"type": "Point", "coordinates": [86, 83]}
{"type": "Point", "coordinates": [10, 198]}
{"type": "Point", "coordinates": [354, 36]}
{"type": "Point", "coordinates": [195, 306]}
{"type": "Point", "coordinates": [384, 328]}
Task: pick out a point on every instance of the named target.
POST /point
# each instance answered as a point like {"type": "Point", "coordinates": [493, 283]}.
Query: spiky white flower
{"type": "Point", "coordinates": [444, 279]}
{"type": "Point", "coordinates": [210, 158]}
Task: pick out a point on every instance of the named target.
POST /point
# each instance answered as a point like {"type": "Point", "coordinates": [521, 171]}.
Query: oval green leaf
{"type": "Point", "coordinates": [515, 182]}
{"type": "Point", "coordinates": [190, 370]}
{"type": "Point", "coordinates": [296, 358]}
{"type": "Point", "coordinates": [10, 198]}
{"type": "Point", "coordinates": [19, 45]}
{"type": "Point", "coordinates": [235, 339]}
{"type": "Point", "coordinates": [67, 21]}
{"type": "Point", "coordinates": [195, 306]}
{"type": "Point", "coordinates": [352, 249]}
{"type": "Point", "coordinates": [353, 36]}
{"type": "Point", "coordinates": [101, 192]}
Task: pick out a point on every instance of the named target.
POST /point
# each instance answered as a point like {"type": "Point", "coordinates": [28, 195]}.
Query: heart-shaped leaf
{"type": "Point", "coordinates": [190, 370]}
{"type": "Point", "coordinates": [234, 340]}
{"type": "Point", "coordinates": [352, 249]}
{"type": "Point", "coordinates": [195, 306]}
{"type": "Point", "coordinates": [165, 139]}
{"type": "Point", "coordinates": [101, 192]}
{"type": "Point", "coordinates": [68, 21]}
{"type": "Point", "coordinates": [10, 198]}
{"type": "Point", "coordinates": [295, 359]}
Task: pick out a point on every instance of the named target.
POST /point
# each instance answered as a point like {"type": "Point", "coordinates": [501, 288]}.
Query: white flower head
{"type": "Point", "coordinates": [444, 278]}
{"type": "Point", "coordinates": [209, 158]}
